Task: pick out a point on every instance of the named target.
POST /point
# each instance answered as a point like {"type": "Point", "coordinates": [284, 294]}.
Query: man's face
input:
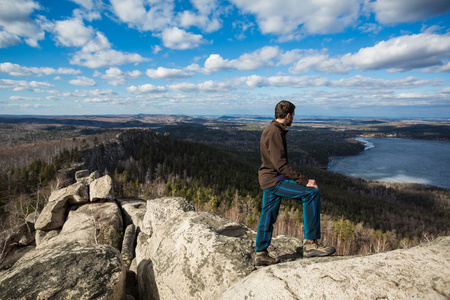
{"type": "Point", "coordinates": [290, 119]}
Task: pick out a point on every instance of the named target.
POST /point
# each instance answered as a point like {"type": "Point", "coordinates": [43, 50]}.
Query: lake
{"type": "Point", "coordinates": [398, 160]}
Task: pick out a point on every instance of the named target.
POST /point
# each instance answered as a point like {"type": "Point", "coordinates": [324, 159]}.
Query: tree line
{"type": "Point", "coordinates": [358, 215]}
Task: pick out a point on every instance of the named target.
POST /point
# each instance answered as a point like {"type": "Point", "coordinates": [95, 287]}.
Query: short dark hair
{"type": "Point", "coordinates": [283, 108]}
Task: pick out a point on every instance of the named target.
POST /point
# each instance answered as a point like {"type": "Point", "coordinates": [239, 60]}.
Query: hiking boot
{"type": "Point", "coordinates": [312, 248]}
{"type": "Point", "coordinates": [264, 259]}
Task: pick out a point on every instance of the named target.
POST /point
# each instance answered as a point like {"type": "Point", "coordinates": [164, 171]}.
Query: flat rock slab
{"type": "Point", "coordinates": [418, 273]}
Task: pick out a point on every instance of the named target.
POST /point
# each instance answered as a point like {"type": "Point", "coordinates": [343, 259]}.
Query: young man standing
{"type": "Point", "coordinates": [278, 180]}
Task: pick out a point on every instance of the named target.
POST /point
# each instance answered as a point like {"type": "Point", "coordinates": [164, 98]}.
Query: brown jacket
{"type": "Point", "coordinates": [275, 165]}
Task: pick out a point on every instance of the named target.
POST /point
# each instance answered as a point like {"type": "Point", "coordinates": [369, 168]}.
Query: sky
{"type": "Point", "coordinates": [340, 58]}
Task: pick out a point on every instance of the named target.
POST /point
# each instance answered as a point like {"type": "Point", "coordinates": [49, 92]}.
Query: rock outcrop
{"type": "Point", "coordinates": [418, 273]}
{"type": "Point", "coordinates": [65, 271]}
{"type": "Point", "coordinates": [191, 253]}
{"type": "Point", "coordinates": [184, 254]}
{"type": "Point", "coordinates": [126, 144]}
{"type": "Point", "coordinates": [77, 242]}
{"type": "Point", "coordinates": [90, 224]}
{"type": "Point", "coordinates": [163, 209]}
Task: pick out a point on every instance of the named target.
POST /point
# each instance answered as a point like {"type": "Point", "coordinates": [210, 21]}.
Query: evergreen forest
{"type": "Point", "coordinates": [216, 167]}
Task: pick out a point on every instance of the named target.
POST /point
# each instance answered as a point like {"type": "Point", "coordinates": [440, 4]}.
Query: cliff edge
{"type": "Point", "coordinates": [86, 250]}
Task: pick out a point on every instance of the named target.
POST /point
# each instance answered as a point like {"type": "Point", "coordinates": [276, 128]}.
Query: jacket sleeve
{"type": "Point", "coordinates": [277, 154]}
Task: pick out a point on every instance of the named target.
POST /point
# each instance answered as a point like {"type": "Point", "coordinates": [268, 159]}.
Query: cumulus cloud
{"type": "Point", "coordinates": [22, 85]}
{"type": "Point", "coordinates": [176, 38]}
{"type": "Point", "coordinates": [17, 70]}
{"type": "Point", "coordinates": [400, 11]}
{"type": "Point", "coordinates": [87, 4]}
{"type": "Point", "coordinates": [288, 19]}
{"type": "Point", "coordinates": [16, 23]}
{"type": "Point", "coordinates": [145, 89]}
{"type": "Point", "coordinates": [73, 32]}
{"type": "Point", "coordinates": [357, 82]}
{"type": "Point", "coordinates": [208, 86]}
{"type": "Point", "coordinates": [313, 60]}
{"type": "Point", "coordinates": [95, 49]}
{"type": "Point", "coordinates": [105, 58]}
{"type": "Point", "coordinates": [83, 81]}
{"type": "Point", "coordinates": [135, 14]}
{"type": "Point", "coordinates": [443, 68]}
{"type": "Point", "coordinates": [165, 73]}
{"type": "Point", "coordinates": [116, 76]}
{"type": "Point", "coordinates": [402, 53]}
{"type": "Point", "coordinates": [22, 98]}
{"type": "Point", "coordinates": [8, 39]}
{"type": "Point", "coordinates": [205, 17]}
{"type": "Point", "coordinates": [264, 57]}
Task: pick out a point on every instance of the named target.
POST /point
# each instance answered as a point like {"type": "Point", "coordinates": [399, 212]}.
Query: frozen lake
{"type": "Point", "coordinates": [398, 160]}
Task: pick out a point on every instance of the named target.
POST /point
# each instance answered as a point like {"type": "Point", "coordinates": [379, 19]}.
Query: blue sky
{"type": "Point", "coordinates": [382, 58]}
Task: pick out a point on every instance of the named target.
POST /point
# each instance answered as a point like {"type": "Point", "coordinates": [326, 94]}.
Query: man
{"type": "Point", "coordinates": [278, 180]}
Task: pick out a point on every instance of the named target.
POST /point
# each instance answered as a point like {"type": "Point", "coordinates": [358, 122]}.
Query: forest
{"type": "Point", "coordinates": [214, 165]}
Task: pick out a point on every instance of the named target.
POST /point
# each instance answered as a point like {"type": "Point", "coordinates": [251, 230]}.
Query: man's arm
{"type": "Point", "coordinates": [279, 160]}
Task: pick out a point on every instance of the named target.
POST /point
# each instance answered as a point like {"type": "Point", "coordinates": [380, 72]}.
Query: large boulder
{"type": "Point", "coordinates": [195, 255]}
{"type": "Point", "coordinates": [161, 209]}
{"type": "Point", "coordinates": [55, 211]}
{"type": "Point", "coordinates": [90, 224]}
{"type": "Point", "coordinates": [101, 189]}
{"type": "Point", "coordinates": [418, 273]}
{"type": "Point", "coordinates": [66, 271]}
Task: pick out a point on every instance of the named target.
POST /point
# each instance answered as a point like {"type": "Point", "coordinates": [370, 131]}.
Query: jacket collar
{"type": "Point", "coordinates": [280, 125]}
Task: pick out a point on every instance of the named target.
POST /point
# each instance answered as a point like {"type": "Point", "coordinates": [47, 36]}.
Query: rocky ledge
{"type": "Point", "coordinates": [92, 246]}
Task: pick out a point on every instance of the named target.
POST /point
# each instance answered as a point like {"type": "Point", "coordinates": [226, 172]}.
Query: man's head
{"type": "Point", "coordinates": [285, 110]}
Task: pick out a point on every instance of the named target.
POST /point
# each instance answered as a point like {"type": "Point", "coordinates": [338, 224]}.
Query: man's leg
{"type": "Point", "coordinates": [269, 214]}
{"type": "Point", "coordinates": [311, 216]}
{"type": "Point", "coordinates": [311, 205]}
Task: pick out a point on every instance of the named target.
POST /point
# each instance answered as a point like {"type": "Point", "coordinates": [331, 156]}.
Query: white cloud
{"type": "Point", "coordinates": [95, 49]}
{"type": "Point", "coordinates": [8, 39]}
{"type": "Point", "coordinates": [165, 73]}
{"type": "Point", "coordinates": [176, 38]}
{"type": "Point", "coordinates": [22, 98]}
{"type": "Point", "coordinates": [87, 4]}
{"type": "Point", "coordinates": [263, 57]}
{"type": "Point", "coordinates": [206, 18]}
{"type": "Point", "coordinates": [17, 70]}
{"type": "Point", "coordinates": [73, 32]}
{"type": "Point", "coordinates": [16, 23]}
{"type": "Point", "coordinates": [98, 43]}
{"type": "Point", "coordinates": [135, 14]}
{"type": "Point", "coordinates": [208, 86]}
{"type": "Point", "coordinates": [22, 85]}
{"type": "Point", "coordinates": [255, 81]}
{"type": "Point", "coordinates": [444, 68]}
{"type": "Point", "coordinates": [317, 61]}
{"type": "Point", "coordinates": [116, 76]}
{"type": "Point", "coordinates": [83, 81]}
{"type": "Point", "coordinates": [400, 11]}
{"type": "Point", "coordinates": [184, 87]}
{"type": "Point", "coordinates": [402, 53]}
{"type": "Point", "coordinates": [105, 58]}
{"type": "Point", "coordinates": [145, 88]}
{"type": "Point", "coordinates": [369, 83]}
{"type": "Point", "coordinates": [156, 49]}
{"type": "Point", "coordinates": [288, 18]}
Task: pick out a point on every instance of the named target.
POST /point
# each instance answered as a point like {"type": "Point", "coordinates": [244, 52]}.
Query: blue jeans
{"type": "Point", "coordinates": [271, 205]}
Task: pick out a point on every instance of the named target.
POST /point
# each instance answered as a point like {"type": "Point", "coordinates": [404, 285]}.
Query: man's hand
{"type": "Point", "coordinates": [312, 183]}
